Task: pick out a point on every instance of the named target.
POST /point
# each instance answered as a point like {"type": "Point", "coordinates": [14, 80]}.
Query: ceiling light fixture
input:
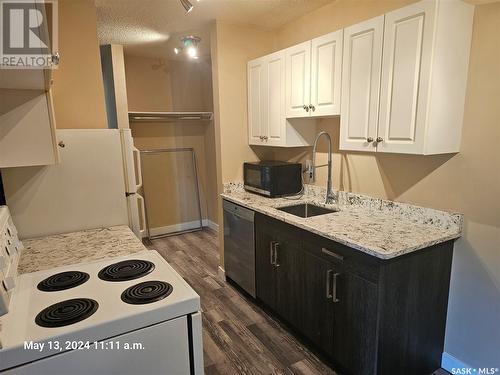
{"type": "Point", "coordinates": [187, 5]}
{"type": "Point", "coordinates": [189, 46]}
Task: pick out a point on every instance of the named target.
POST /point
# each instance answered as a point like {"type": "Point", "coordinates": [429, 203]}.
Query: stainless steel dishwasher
{"type": "Point", "coordinates": [239, 246]}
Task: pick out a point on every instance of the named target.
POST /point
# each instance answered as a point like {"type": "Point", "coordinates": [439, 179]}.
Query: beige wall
{"type": "Point", "coordinates": [232, 47]}
{"type": "Point", "coordinates": [331, 17]}
{"type": "Point", "coordinates": [159, 85]}
{"type": "Point", "coordinates": [148, 84]}
{"type": "Point", "coordinates": [468, 182]}
{"type": "Point", "coordinates": [78, 89]}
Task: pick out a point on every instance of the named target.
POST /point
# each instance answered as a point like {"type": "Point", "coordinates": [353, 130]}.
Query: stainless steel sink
{"type": "Point", "coordinates": [306, 210]}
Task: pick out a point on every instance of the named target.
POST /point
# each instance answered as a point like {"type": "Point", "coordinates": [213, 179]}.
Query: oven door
{"type": "Point", "coordinates": [158, 349]}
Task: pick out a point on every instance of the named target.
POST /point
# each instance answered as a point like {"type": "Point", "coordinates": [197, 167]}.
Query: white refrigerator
{"type": "Point", "coordinates": [95, 185]}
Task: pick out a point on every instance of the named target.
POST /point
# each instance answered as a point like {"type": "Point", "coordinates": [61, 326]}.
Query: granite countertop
{"type": "Point", "coordinates": [77, 247]}
{"type": "Point", "coordinates": [382, 228]}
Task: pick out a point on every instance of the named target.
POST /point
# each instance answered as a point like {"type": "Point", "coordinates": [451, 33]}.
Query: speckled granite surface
{"type": "Point", "coordinates": [378, 227]}
{"type": "Point", "coordinates": [77, 247]}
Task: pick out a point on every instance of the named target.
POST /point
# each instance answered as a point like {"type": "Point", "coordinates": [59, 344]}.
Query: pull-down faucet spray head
{"type": "Point", "coordinates": [330, 195]}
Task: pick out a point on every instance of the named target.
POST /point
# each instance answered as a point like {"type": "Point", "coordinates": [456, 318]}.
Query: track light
{"type": "Point", "coordinates": [187, 5]}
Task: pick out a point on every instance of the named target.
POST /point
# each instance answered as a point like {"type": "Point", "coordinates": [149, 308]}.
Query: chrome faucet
{"type": "Point", "coordinates": [331, 197]}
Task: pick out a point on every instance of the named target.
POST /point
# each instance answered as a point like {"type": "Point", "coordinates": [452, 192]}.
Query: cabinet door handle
{"type": "Point", "coordinates": [312, 108]}
{"type": "Point", "coordinates": [369, 139]}
{"type": "Point", "coordinates": [271, 251]}
{"type": "Point", "coordinates": [379, 139]}
{"type": "Point", "coordinates": [332, 254]}
{"type": "Point", "coordinates": [329, 284]}
{"type": "Point", "coordinates": [334, 296]}
{"type": "Point", "coordinates": [306, 108]}
{"type": "Point", "coordinates": [276, 248]}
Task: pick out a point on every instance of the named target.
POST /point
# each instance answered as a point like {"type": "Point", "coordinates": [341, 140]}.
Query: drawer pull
{"type": "Point", "coordinates": [329, 284]}
{"type": "Point", "coordinates": [276, 248]}
{"type": "Point", "coordinates": [271, 251]}
{"type": "Point", "coordinates": [332, 254]}
{"type": "Point", "coordinates": [334, 297]}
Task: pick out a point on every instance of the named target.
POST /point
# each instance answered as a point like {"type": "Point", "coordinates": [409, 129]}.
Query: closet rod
{"type": "Point", "coordinates": [169, 116]}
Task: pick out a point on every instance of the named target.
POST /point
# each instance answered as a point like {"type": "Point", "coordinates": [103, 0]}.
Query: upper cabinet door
{"type": "Point", "coordinates": [274, 131]}
{"type": "Point", "coordinates": [326, 66]}
{"type": "Point", "coordinates": [298, 80]}
{"type": "Point", "coordinates": [257, 101]}
{"type": "Point", "coordinates": [405, 78]}
{"type": "Point", "coordinates": [361, 67]}
{"type": "Point", "coordinates": [27, 129]}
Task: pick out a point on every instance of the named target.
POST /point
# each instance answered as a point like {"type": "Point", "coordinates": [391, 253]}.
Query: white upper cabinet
{"type": "Point", "coordinates": [398, 82]}
{"type": "Point", "coordinates": [27, 129]}
{"type": "Point", "coordinates": [313, 77]}
{"type": "Point", "coordinates": [267, 123]}
{"type": "Point", "coordinates": [274, 83]}
{"type": "Point", "coordinates": [256, 100]}
{"type": "Point", "coordinates": [326, 64]}
{"type": "Point", "coordinates": [406, 78]}
{"type": "Point", "coordinates": [298, 80]}
{"type": "Point", "coordinates": [422, 86]}
{"type": "Point", "coordinates": [362, 61]}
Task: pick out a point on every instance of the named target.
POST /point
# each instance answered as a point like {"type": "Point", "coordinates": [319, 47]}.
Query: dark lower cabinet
{"type": "Point", "coordinates": [355, 325]}
{"type": "Point", "coordinates": [368, 316]}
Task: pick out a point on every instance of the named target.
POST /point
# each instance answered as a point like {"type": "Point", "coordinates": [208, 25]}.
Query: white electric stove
{"type": "Point", "coordinates": [126, 315]}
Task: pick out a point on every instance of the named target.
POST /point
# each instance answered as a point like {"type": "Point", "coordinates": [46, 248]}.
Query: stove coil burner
{"type": "Point", "coordinates": [66, 312]}
{"type": "Point", "coordinates": [146, 292]}
{"type": "Point", "coordinates": [126, 270]}
{"type": "Point", "coordinates": [63, 281]}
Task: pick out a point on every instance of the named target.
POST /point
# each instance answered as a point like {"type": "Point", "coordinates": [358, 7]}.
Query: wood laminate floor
{"type": "Point", "coordinates": [238, 337]}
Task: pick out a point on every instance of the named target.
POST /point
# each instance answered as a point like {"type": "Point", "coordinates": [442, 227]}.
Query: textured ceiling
{"type": "Point", "coordinates": [153, 27]}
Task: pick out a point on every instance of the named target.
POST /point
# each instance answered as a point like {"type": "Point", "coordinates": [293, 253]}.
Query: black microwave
{"type": "Point", "coordinates": [273, 178]}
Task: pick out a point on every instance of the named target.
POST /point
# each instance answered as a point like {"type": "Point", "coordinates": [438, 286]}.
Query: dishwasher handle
{"type": "Point", "coordinates": [238, 211]}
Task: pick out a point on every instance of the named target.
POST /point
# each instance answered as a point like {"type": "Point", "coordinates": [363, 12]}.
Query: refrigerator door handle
{"type": "Point", "coordinates": [143, 224]}
{"type": "Point", "coordinates": [137, 159]}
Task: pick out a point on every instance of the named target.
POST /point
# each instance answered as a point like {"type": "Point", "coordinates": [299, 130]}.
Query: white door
{"type": "Point", "coordinates": [405, 78]}
{"type": "Point", "coordinates": [274, 129]}
{"type": "Point", "coordinates": [298, 80]}
{"type": "Point", "coordinates": [256, 101]}
{"type": "Point", "coordinates": [361, 67]}
{"type": "Point", "coordinates": [326, 70]}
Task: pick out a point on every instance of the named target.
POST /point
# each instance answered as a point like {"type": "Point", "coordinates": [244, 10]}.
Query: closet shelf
{"type": "Point", "coordinates": [169, 116]}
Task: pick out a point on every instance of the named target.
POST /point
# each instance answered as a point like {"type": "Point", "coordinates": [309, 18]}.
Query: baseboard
{"type": "Point", "coordinates": [453, 365]}
{"type": "Point", "coordinates": [221, 273]}
{"type": "Point", "coordinates": [188, 225]}
{"type": "Point", "coordinates": [212, 225]}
